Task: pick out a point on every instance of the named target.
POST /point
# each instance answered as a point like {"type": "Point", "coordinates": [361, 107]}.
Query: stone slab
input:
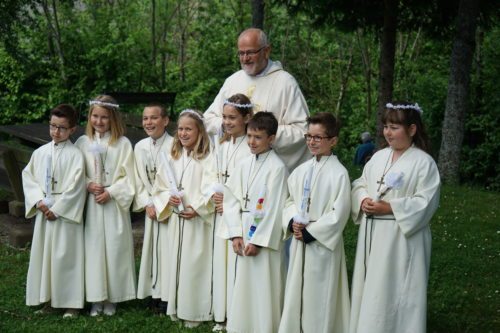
{"type": "Point", "coordinates": [16, 231]}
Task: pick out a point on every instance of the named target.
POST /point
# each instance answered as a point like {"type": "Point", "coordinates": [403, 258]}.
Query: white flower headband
{"type": "Point", "coordinates": [95, 102]}
{"type": "Point", "coordinates": [401, 106]}
{"type": "Point", "coordinates": [193, 112]}
{"type": "Point", "coordinates": [237, 105]}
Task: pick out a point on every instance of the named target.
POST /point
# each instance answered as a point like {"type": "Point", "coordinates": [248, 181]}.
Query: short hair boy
{"type": "Point", "coordinates": [154, 269]}
{"type": "Point", "coordinates": [315, 213]}
{"type": "Point", "coordinates": [54, 190]}
{"type": "Point", "coordinates": [253, 200]}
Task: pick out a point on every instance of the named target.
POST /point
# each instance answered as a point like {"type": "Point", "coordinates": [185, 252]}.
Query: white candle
{"type": "Point", "coordinates": [306, 193]}
{"type": "Point", "coordinates": [48, 176]}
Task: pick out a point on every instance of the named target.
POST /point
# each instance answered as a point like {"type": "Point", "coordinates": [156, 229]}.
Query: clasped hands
{"type": "Point", "coordinates": [250, 250]}
{"type": "Point", "coordinates": [371, 207]}
{"type": "Point", "coordinates": [188, 213]}
{"type": "Point", "coordinates": [218, 198]}
{"type": "Point", "coordinates": [101, 195]}
{"type": "Point", "coordinates": [49, 215]}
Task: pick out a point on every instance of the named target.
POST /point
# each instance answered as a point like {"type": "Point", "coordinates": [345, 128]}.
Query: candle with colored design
{"type": "Point", "coordinates": [258, 213]}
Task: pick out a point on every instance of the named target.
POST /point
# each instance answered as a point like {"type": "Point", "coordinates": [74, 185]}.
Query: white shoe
{"type": "Point", "coordinates": [109, 308]}
{"type": "Point", "coordinates": [219, 327]}
{"type": "Point", "coordinates": [71, 313]}
{"type": "Point", "coordinates": [96, 309]}
{"type": "Point", "coordinates": [191, 324]}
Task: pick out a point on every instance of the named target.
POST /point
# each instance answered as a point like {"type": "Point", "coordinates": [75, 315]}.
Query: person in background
{"type": "Point", "coordinates": [365, 150]}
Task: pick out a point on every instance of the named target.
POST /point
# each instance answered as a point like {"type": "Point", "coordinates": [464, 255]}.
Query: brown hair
{"type": "Point", "coordinates": [264, 121]}
{"type": "Point", "coordinates": [202, 146]}
{"type": "Point", "coordinates": [244, 108]}
{"type": "Point", "coordinates": [407, 115]}
{"type": "Point", "coordinates": [65, 111]}
{"type": "Point", "coordinates": [159, 106]}
{"type": "Point", "coordinates": [116, 125]}
{"type": "Point", "coordinates": [329, 122]}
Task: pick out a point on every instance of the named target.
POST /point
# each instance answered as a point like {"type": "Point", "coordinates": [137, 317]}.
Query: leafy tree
{"type": "Point", "coordinates": [387, 17]}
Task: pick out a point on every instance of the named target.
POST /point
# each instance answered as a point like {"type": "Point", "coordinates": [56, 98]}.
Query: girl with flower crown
{"type": "Point", "coordinates": [191, 169]}
{"type": "Point", "coordinates": [109, 251]}
{"type": "Point", "coordinates": [393, 202]}
{"type": "Point", "coordinates": [230, 149]}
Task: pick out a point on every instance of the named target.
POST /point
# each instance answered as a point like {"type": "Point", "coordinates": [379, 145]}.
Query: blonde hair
{"type": "Point", "coordinates": [116, 125]}
{"type": "Point", "coordinates": [202, 145]}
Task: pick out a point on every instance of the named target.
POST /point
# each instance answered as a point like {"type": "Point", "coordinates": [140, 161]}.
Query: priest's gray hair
{"type": "Point", "coordinates": [263, 40]}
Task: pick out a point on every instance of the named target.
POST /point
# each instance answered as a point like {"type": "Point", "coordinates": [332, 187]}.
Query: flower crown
{"type": "Point", "coordinates": [193, 112]}
{"type": "Point", "coordinates": [401, 106]}
{"type": "Point", "coordinates": [111, 105]}
{"type": "Point", "coordinates": [238, 105]}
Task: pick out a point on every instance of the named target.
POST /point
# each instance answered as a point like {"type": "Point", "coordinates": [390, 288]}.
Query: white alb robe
{"type": "Point", "coordinates": [257, 298]}
{"type": "Point", "coordinates": [230, 154]}
{"type": "Point", "coordinates": [274, 91]}
{"type": "Point", "coordinates": [190, 278]}
{"type": "Point", "coordinates": [390, 295]}
{"type": "Point", "coordinates": [156, 252]}
{"type": "Point", "coordinates": [56, 268]}
{"type": "Point", "coordinates": [109, 249]}
{"type": "Point", "coordinates": [317, 292]}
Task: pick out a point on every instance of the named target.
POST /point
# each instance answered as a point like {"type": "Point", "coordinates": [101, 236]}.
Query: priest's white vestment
{"type": "Point", "coordinates": [109, 249]}
{"type": "Point", "coordinates": [56, 268]}
{"type": "Point", "coordinates": [317, 292]}
{"type": "Point", "coordinates": [389, 287]}
{"type": "Point", "coordinates": [257, 298]}
{"type": "Point", "coordinates": [275, 91]}
{"type": "Point", "coordinates": [156, 247]}
{"type": "Point", "coordinates": [230, 154]}
{"type": "Point", "coordinates": [190, 281]}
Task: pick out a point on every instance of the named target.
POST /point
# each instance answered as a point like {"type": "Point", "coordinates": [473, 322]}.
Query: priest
{"type": "Point", "coordinates": [270, 88]}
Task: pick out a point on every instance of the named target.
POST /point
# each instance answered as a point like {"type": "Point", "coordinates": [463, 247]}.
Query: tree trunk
{"type": "Point", "coordinates": [343, 83]}
{"type": "Point", "coordinates": [258, 14]}
{"type": "Point", "coordinates": [458, 90]}
{"type": "Point", "coordinates": [153, 34]}
{"type": "Point", "coordinates": [54, 32]}
{"type": "Point", "coordinates": [367, 69]}
{"type": "Point", "coordinates": [386, 64]}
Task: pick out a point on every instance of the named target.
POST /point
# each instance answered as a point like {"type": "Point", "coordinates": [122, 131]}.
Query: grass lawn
{"type": "Point", "coordinates": [464, 293]}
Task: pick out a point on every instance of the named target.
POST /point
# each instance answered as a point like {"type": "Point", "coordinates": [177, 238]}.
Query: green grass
{"type": "Point", "coordinates": [464, 293]}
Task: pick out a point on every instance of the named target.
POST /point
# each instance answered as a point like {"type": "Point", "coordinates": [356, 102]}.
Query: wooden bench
{"type": "Point", "coordinates": [23, 139]}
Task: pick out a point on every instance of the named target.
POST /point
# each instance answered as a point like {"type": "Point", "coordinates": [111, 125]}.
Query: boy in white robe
{"type": "Point", "coordinates": [54, 190]}
{"type": "Point", "coordinates": [393, 202]}
{"type": "Point", "coordinates": [316, 212]}
{"type": "Point", "coordinates": [153, 198]}
{"type": "Point", "coordinates": [253, 201]}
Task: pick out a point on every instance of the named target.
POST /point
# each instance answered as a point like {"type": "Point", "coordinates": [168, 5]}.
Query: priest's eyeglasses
{"type": "Point", "coordinates": [315, 138]}
{"type": "Point", "coordinates": [249, 53]}
{"type": "Point", "coordinates": [55, 128]}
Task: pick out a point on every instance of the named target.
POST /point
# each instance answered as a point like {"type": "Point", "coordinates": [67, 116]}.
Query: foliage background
{"type": "Point", "coordinates": [74, 50]}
